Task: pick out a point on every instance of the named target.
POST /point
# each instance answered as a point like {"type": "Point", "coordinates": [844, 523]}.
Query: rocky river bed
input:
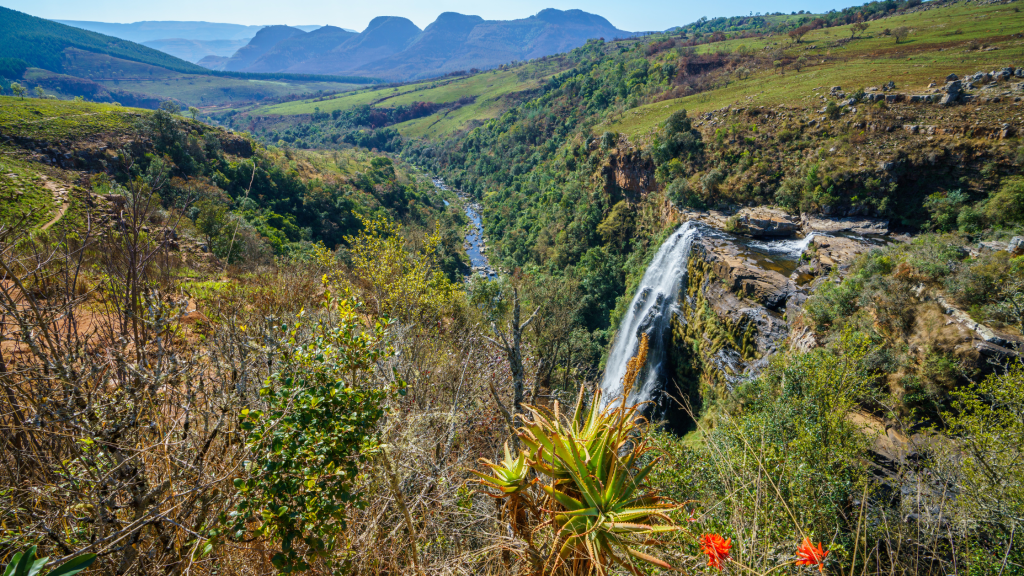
{"type": "Point", "coordinates": [475, 244]}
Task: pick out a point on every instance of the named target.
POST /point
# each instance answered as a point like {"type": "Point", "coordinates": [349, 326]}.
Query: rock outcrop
{"type": "Point", "coordinates": [765, 222]}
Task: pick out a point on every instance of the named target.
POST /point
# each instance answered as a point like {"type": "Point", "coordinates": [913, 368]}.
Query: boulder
{"type": "Point", "coordinates": [830, 252]}
{"type": "Point", "coordinates": [741, 274]}
{"type": "Point", "coordinates": [855, 225]}
{"type": "Point", "coordinates": [766, 222]}
{"type": "Point", "coordinates": [952, 78]}
{"type": "Point", "coordinates": [1016, 246]}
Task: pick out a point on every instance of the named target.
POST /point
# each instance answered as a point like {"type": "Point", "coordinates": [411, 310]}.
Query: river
{"type": "Point", "coordinates": [475, 244]}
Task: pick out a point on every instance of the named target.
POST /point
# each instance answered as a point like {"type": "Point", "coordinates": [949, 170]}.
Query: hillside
{"type": "Point", "coordinates": [70, 62]}
{"type": "Point", "coordinates": [260, 44]}
{"type": "Point", "coordinates": [41, 43]}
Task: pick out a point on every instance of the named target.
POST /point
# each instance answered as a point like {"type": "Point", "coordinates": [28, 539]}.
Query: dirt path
{"type": "Point", "coordinates": [60, 195]}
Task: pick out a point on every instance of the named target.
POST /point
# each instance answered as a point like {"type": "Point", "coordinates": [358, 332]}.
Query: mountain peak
{"type": "Point", "coordinates": [572, 17]}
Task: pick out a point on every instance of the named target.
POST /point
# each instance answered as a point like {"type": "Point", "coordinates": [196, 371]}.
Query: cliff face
{"type": "Point", "coordinates": [729, 321]}
{"type": "Point", "coordinates": [630, 171]}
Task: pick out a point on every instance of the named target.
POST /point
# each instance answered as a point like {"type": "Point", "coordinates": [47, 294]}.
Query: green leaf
{"type": "Point", "coordinates": [74, 566]}
{"type": "Point", "coordinates": [37, 565]}
{"type": "Point", "coordinates": [9, 571]}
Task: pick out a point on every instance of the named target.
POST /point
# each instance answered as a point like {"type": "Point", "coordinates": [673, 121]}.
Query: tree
{"type": "Point", "coordinates": [900, 33]}
{"type": "Point", "coordinates": [194, 112]}
{"type": "Point", "coordinates": [857, 28]}
{"type": "Point", "coordinates": [1007, 205]}
{"type": "Point", "coordinates": [779, 67]}
{"type": "Point", "coordinates": [800, 63]}
{"type": "Point", "coordinates": [40, 92]}
{"type": "Point", "coordinates": [797, 34]}
{"type": "Point", "coordinates": [170, 107]}
{"type": "Point", "coordinates": [211, 220]}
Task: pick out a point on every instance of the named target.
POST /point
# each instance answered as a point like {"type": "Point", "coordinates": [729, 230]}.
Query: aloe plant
{"type": "Point", "coordinates": [597, 504]}
{"type": "Point", "coordinates": [26, 564]}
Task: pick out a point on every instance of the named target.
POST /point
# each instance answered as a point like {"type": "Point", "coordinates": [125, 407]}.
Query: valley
{"type": "Point", "coordinates": [745, 295]}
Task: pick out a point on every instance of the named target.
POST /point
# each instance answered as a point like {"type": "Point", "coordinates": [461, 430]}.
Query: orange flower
{"type": "Point", "coordinates": [810, 555]}
{"type": "Point", "coordinates": [716, 547]}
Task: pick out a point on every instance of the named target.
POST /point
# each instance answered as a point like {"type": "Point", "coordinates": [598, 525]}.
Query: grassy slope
{"type": "Point", "coordinates": [62, 120]}
{"type": "Point", "coordinates": [491, 89]}
{"type": "Point", "coordinates": [932, 52]}
{"type": "Point", "coordinates": [194, 89]}
{"type": "Point", "coordinates": [50, 121]}
{"type": "Point", "coordinates": [23, 197]}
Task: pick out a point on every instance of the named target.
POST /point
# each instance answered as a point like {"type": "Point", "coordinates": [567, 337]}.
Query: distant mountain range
{"type": "Point", "coordinates": [394, 48]}
{"type": "Point", "coordinates": [191, 41]}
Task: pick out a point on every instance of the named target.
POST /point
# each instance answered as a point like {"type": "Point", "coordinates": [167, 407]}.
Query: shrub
{"type": "Point", "coordinates": [833, 301]}
{"type": "Point", "coordinates": [711, 180]}
{"type": "Point", "coordinates": [945, 208]}
{"type": "Point", "coordinates": [322, 407]}
{"type": "Point", "coordinates": [1007, 205]}
{"type": "Point", "coordinates": [609, 140]}
{"type": "Point", "coordinates": [681, 195]}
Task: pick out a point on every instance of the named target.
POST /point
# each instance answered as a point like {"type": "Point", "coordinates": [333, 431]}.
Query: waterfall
{"type": "Point", "coordinates": [789, 247]}
{"type": "Point", "coordinates": [650, 312]}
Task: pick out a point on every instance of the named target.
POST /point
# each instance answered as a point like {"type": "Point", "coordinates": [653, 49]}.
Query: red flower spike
{"type": "Point", "coordinates": [810, 555]}
{"type": "Point", "coordinates": [717, 549]}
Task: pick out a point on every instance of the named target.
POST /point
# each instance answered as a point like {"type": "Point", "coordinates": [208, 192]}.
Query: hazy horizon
{"type": "Point", "coordinates": [634, 16]}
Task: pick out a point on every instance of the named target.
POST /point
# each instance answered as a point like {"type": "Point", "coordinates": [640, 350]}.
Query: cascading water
{"type": "Point", "coordinates": [650, 312]}
{"type": "Point", "coordinates": [794, 247]}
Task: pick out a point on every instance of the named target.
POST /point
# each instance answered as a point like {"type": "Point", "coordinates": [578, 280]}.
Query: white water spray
{"type": "Point", "coordinates": [650, 312]}
{"type": "Point", "coordinates": [789, 247]}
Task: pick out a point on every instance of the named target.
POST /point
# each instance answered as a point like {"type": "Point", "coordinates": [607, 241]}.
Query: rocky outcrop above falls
{"type": "Point", "coordinates": [829, 252]}
{"type": "Point", "coordinates": [765, 222]}
{"type": "Point", "coordinates": [741, 274]}
{"type": "Point", "coordinates": [628, 170]}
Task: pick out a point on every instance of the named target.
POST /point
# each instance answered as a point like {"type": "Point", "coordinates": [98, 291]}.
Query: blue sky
{"type": "Point", "coordinates": [627, 15]}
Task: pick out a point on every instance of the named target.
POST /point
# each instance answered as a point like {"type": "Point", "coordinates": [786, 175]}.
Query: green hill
{"type": "Point", "coordinates": [41, 43]}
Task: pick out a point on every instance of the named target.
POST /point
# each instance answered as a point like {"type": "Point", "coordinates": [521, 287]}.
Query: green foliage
{"type": "Point", "coordinates": [12, 67]}
{"type": "Point", "coordinates": [784, 461]}
{"type": "Point", "coordinates": [316, 426]}
{"type": "Point", "coordinates": [677, 140]}
{"type": "Point", "coordinates": [945, 209]}
{"type": "Point", "coordinates": [833, 301]}
{"type": "Point", "coordinates": [1006, 206]}
{"type": "Point", "coordinates": [26, 564]}
{"type": "Point", "coordinates": [617, 228]}
{"type": "Point", "coordinates": [985, 455]}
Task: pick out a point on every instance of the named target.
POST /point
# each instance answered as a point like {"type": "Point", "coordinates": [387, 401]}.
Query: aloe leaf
{"type": "Point", "coordinates": [9, 571]}
{"type": "Point", "coordinates": [648, 558]}
{"type": "Point", "coordinates": [74, 566]}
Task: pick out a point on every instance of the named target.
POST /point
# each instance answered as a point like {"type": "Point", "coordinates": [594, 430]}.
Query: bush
{"type": "Point", "coordinates": [945, 208]}
{"type": "Point", "coordinates": [1007, 205]}
{"type": "Point", "coordinates": [681, 195]}
{"type": "Point", "coordinates": [833, 301]}
{"type": "Point", "coordinates": [322, 408]}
